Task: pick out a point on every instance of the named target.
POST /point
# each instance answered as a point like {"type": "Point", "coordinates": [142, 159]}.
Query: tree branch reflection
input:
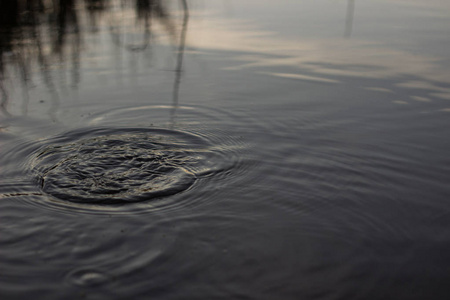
{"type": "Point", "coordinates": [45, 38]}
{"type": "Point", "coordinates": [178, 70]}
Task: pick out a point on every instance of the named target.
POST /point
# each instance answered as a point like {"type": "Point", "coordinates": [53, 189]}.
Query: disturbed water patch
{"type": "Point", "coordinates": [119, 166]}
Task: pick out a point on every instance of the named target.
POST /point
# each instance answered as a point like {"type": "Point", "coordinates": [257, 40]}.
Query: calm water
{"type": "Point", "coordinates": [225, 149]}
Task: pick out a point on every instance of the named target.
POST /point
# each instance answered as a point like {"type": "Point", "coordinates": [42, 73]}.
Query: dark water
{"type": "Point", "coordinates": [224, 149]}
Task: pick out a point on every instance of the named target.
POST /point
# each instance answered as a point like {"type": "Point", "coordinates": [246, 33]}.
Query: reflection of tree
{"type": "Point", "coordinates": [176, 85]}
{"type": "Point", "coordinates": [25, 37]}
{"type": "Point", "coordinates": [16, 20]}
{"type": "Point", "coordinates": [145, 11]}
{"type": "Point", "coordinates": [45, 34]}
{"type": "Point", "coordinates": [94, 9]}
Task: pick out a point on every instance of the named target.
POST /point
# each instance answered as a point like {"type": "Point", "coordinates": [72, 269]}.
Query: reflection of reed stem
{"type": "Point", "coordinates": [349, 18]}
{"type": "Point", "coordinates": [178, 70]}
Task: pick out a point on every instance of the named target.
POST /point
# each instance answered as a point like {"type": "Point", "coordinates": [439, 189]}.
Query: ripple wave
{"type": "Point", "coordinates": [109, 166]}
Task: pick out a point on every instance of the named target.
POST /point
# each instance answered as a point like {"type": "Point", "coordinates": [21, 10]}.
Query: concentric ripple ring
{"type": "Point", "coordinates": [117, 166]}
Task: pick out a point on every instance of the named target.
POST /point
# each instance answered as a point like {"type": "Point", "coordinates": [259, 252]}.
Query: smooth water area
{"type": "Point", "coordinates": [224, 149]}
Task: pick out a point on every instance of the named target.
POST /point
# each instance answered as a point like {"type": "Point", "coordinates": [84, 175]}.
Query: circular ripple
{"type": "Point", "coordinates": [117, 166]}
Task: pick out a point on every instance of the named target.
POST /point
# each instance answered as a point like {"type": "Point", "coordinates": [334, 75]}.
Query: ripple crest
{"type": "Point", "coordinates": [117, 166]}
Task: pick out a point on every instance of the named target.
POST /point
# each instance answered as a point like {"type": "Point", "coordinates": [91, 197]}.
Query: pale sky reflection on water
{"type": "Point", "coordinates": [395, 56]}
{"type": "Point", "coordinates": [307, 43]}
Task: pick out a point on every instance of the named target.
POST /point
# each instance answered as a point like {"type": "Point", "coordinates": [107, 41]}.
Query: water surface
{"type": "Point", "coordinates": [224, 149]}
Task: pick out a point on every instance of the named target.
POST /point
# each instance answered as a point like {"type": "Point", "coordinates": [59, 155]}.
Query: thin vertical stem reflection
{"type": "Point", "coordinates": [349, 18]}
{"type": "Point", "coordinates": [178, 70]}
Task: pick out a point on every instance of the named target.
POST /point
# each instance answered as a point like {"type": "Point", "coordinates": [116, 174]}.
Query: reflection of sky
{"type": "Point", "coordinates": [404, 41]}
